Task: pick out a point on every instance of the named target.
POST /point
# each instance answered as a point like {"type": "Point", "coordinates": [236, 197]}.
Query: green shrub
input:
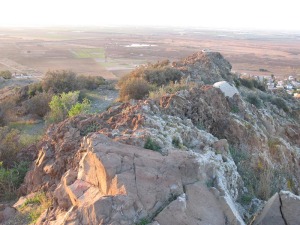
{"type": "Point", "coordinates": [60, 105]}
{"type": "Point", "coordinates": [254, 99]}
{"type": "Point", "coordinates": [134, 89]}
{"type": "Point", "coordinates": [9, 145]}
{"type": "Point", "coordinates": [35, 206]}
{"type": "Point", "coordinates": [152, 145]}
{"type": "Point", "coordinates": [237, 82]}
{"type": "Point", "coordinates": [143, 221]}
{"type": "Point", "coordinates": [250, 83]}
{"type": "Point", "coordinates": [265, 97]}
{"type": "Point", "coordinates": [259, 85]}
{"type": "Point", "coordinates": [246, 198]}
{"type": "Point", "coordinates": [176, 142]}
{"type": "Point", "coordinates": [6, 74]}
{"type": "Point", "coordinates": [235, 109]}
{"type": "Point", "coordinates": [34, 88]}
{"type": "Point", "coordinates": [66, 105]}
{"type": "Point", "coordinates": [11, 179]}
{"type": "Point", "coordinates": [280, 103]}
{"type": "Point", "coordinates": [92, 127]}
{"type": "Point", "coordinates": [79, 108]}
{"type": "Point", "coordinates": [247, 83]}
{"type": "Point", "coordinates": [12, 141]}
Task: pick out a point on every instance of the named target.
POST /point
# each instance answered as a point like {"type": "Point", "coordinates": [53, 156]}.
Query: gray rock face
{"type": "Point", "coordinates": [290, 207]}
{"type": "Point", "coordinates": [271, 213]}
{"type": "Point", "coordinates": [281, 209]}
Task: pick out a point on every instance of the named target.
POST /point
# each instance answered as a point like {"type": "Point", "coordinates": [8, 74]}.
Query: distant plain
{"type": "Point", "coordinates": [112, 52]}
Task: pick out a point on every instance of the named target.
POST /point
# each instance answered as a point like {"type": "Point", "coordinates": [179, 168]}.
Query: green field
{"type": "Point", "coordinates": [89, 53]}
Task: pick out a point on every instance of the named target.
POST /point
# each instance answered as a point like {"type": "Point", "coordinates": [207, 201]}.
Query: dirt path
{"type": "Point", "coordinates": [101, 99]}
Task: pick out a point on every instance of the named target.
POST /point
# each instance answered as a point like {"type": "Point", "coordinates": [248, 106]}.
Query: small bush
{"type": "Point", "coordinates": [11, 179]}
{"type": "Point", "coordinates": [143, 221]}
{"type": "Point", "coordinates": [90, 82]}
{"type": "Point", "coordinates": [176, 142]}
{"type": "Point", "coordinates": [134, 89]}
{"type": "Point", "coordinates": [259, 85]}
{"type": "Point", "coordinates": [246, 199]}
{"type": "Point", "coordinates": [35, 206]}
{"type": "Point", "coordinates": [237, 82]}
{"type": "Point", "coordinates": [171, 88]}
{"type": "Point", "coordinates": [138, 83]}
{"type": "Point", "coordinates": [152, 145]}
{"type": "Point", "coordinates": [60, 105]}
{"type": "Point", "coordinates": [235, 109]}
{"type": "Point", "coordinates": [92, 127]}
{"type": "Point", "coordinates": [38, 104]}
{"type": "Point", "coordinates": [60, 81]}
{"type": "Point", "coordinates": [162, 76]}
{"type": "Point", "coordinates": [34, 88]}
{"type": "Point", "coordinates": [261, 180]}
{"type": "Point", "coordinates": [9, 108]}
{"type": "Point", "coordinates": [64, 105]}
{"type": "Point", "coordinates": [280, 103]}
{"type": "Point", "coordinates": [79, 108]}
{"type": "Point", "coordinates": [6, 74]}
{"type": "Point", "coordinates": [254, 100]}
{"type": "Point", "coordinates": [12, 141]}
{"type": "Point", "coordinates": [250, 83]}
{"type": "Point", "coordinates": [247, 83]}
{"type": "Point", "coordinates": [9, 146]}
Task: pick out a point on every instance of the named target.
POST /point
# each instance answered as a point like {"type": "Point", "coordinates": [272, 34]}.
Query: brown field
{"type": "Point", "coordinates": [112, 52]}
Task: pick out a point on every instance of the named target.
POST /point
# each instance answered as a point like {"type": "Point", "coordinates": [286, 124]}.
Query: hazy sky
{"type": "Point", "coordinates": [235, 14]}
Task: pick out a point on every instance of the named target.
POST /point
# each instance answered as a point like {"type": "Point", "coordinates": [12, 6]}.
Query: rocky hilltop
{"type": "Point", "coordinates": [193, 157]}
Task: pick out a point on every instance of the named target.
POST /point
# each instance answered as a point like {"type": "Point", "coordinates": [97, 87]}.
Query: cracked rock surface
{"type": "Point", "coordinates": [123, 184]}
{"type": "Point", "coordinates": [282, 209]}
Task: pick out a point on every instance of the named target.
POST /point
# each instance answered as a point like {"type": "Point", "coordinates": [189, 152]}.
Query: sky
{"type": "Point", "coordinates": [228, 14]}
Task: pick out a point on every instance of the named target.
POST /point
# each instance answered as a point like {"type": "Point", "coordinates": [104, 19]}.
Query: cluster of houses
{"type": "Point", "coordinates": [291, 85]}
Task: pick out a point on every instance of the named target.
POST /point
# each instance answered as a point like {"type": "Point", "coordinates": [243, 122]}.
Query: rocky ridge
{"type": "Point", "coordinates": [97, 172]}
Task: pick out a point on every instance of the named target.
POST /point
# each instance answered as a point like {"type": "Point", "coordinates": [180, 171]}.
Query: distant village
{"type": "Point", "coordinates": [291, 85]}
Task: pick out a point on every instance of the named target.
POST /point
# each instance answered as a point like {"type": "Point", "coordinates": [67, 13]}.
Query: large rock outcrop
{"type": "Point", "coordinates": [205, 66]}
{"type": "Point", "coordinates": [122, 184]}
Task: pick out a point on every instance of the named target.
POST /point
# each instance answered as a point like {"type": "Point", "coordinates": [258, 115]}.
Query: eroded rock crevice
{"type": "Point", "coordinates": [281, 211]}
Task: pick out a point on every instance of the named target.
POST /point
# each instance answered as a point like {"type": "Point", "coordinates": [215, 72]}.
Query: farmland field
{"type": "Point", "coordinates": [112, 52]}
{"type": "Point", "coordinates": [89, 53]}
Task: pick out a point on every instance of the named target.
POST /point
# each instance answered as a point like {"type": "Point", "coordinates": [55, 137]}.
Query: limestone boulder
{"type": "Point", "coordinates": [227, 89]}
